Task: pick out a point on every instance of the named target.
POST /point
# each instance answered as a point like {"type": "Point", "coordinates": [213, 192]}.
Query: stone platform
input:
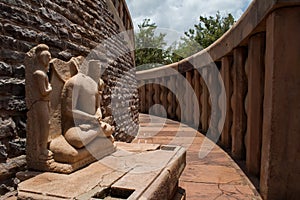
{"type": "Point", "coordinates": [134, 171]}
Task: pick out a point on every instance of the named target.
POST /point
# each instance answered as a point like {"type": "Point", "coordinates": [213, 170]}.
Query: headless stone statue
{"type": "Point", "coordinates": [77, 135]}
{"type": "Point", "coordinates": [82, 117]}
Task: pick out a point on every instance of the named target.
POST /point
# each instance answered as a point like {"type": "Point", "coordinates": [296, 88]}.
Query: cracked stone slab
{"type": "Point", "coordinates": [145, 171]}
{"type": "Point", "coordinates": [137, 147]}
{"type": "Point", "coordinates": [212, 174]}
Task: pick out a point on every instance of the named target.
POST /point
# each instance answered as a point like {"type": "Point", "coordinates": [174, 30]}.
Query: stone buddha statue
{"type": "Point", "coordinates": [77, 135]}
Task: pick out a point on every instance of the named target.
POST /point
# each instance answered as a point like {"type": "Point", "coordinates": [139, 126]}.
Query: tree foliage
{"type": "Point", "coordinates": [206, 32]}
{"type": "Point", "coordinates": [209, 29]}
{"type": "Point", "coordinates": [184, 48]}
{"type": "Point", "coordinates": [150, 49]}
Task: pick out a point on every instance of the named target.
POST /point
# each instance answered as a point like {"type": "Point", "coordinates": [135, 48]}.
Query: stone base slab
{"type": "Point", "coordinates": [134, 171]}
{"type": "Point", "coordinates": [94, 151]}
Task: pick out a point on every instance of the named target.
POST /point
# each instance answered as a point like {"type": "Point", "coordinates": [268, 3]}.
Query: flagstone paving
{"type": "Point", "coordinates": [216, 176]}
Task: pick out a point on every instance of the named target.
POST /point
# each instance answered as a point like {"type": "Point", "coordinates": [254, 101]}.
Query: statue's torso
{"type": "Point", "coordinates": [88, 89]}
{"type": "Point", "coordinates": [79, 93]}
{"type": "Point", "coordinates": [36, 93]}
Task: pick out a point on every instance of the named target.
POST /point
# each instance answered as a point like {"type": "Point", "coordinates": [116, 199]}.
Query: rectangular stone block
{"type": "Point", "coordinates": [239, 125]}
{"type": "Point", "coordinates": [147, 173]}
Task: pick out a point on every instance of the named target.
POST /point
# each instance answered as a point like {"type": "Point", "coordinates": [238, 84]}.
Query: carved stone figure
{"type": "Point", "coordinates": [77, 134]}
{"type": "Point", "coordinates": [38, 91]}
{"type": "Point", "coordinates": [82, 116]}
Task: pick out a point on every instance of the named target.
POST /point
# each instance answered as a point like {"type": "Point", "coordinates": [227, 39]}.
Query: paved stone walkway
{"type": "Point", "coordinates": [215, 176]}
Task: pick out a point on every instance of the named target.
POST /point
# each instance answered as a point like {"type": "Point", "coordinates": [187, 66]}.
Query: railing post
{"type": "Point", "coordinates": [121, 10]}
{"type": "Point", "coordinates": [149, 95]}
{"type": "Point", "coordinates": [156, 96]}
{"type": "Point", "coordinates": [189, 98]}
{"type": "Point", "coordinates": [281, 125]}
{"type": "Point", "coordinates": [225, 72]}
{"type": "Point", "coordinates": [197, 88]}
{"type": "Point", "coordinates": [163, 94]}
{"type": "Point", "coordinates": [146, 97]}
{"type": "Point", "coordinates": [143, 97]}
{"type": "Point", "coordinates": [173, 102]}
{"type": "Point", "coordinates": [215, 102]}
{"type": "Point", "coordinates": [183, 105]}
{"type": "Point", "coordinates": [169, 99]}
{"type": "Point", "coordinates": [238, 103]}
{"type": "Point", "coordinates": [178, 106]}
{"type": "Point", "coordinates": [256, 58]}
{"type": "Point", "coordinates": [204, 100]}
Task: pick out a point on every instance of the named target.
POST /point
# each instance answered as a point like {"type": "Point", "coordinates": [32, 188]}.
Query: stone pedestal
{"type": "Point", "coordinates": [134, 171]}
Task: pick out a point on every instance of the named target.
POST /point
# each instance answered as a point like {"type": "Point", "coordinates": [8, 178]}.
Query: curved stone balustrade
{"type": "Point", "coordinates": [258, 61]}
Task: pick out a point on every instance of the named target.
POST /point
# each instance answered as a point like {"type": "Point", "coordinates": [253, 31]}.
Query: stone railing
{"type": "Point", "coordinates": [259, 63]}
{"type": "Point", "coordinates": [122, 16]}
{"type": "Point", "coordinates": [123, 13]}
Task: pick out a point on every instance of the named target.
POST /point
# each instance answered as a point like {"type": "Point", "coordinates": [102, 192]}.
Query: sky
{"type": "Point", "coordinates": [177, 16]}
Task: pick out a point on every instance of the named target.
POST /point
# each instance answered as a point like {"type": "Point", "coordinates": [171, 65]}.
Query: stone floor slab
{"type": "Point", "coordinates": [136, 170]}
{"type": "Point", "coordinates": [216, 176]}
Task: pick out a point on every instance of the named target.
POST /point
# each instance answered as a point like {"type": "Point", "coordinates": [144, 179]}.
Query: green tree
{"type": "Point", "coordinates": [206, 32]}
{"type": "Point", "coordinates": [209, 29]}
{"type": "Point", "coordinates": [184, 48]}
{"type": "Point", "coordinates": [150, 49]}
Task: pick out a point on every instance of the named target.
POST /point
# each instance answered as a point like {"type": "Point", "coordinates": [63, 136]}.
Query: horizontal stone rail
{"type": "Point", "coordinates": [257, 83]}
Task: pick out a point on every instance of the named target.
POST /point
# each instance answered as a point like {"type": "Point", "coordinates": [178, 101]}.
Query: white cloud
{"type": "Point", "coordinates": [180, 15]}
